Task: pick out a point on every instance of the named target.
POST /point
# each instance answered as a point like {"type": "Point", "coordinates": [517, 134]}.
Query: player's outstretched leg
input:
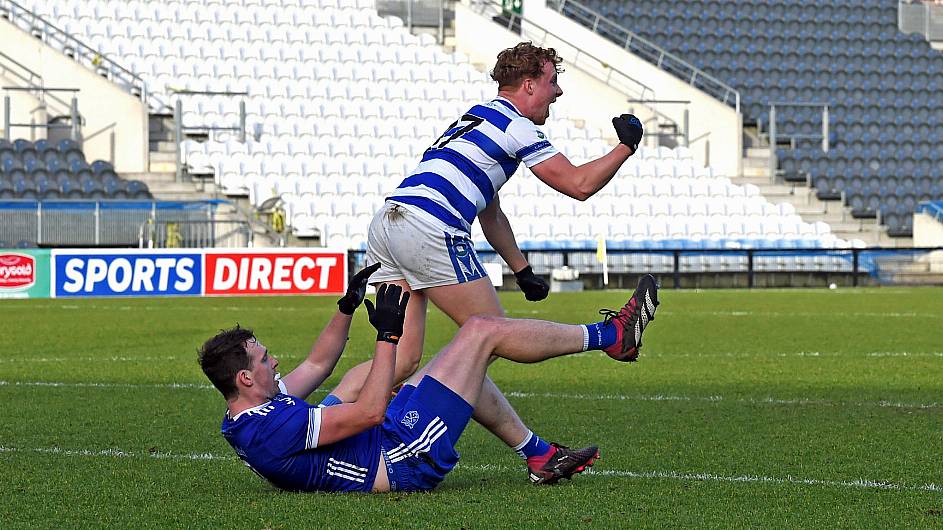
{"type": "Point", "coordinates": [632, 320]}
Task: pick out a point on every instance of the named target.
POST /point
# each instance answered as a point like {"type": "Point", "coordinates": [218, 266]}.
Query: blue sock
{"type": "Point", "coordinates": [599, 335]}
{"type": "Point", "coordinates": [329, 400]}
{"type": "Point", "coordinates": [532, 445]}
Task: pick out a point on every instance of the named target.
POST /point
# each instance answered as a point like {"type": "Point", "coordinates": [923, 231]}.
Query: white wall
{"type": "Point", "coordinates": [928, 232]}
{"type": "Point", "coordinates": [115, 121]}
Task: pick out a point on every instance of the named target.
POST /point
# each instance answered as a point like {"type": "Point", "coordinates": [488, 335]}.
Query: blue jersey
{"type": "Point", "coordinates": [461, 173]}
{"type": "Point", "coordinates": [279, 441]}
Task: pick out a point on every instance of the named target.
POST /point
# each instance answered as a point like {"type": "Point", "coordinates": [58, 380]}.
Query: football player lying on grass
{"type": "Point", "coordinates": [371, 444]}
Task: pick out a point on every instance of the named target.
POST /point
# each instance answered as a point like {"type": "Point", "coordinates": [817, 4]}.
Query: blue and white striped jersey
{"type": "Point", "coordinates": [461, 173]}
{"type": "Point", "coordinates": [279, 441]}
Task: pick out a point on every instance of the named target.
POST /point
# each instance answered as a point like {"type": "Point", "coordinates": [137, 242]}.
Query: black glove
{"type": "Point", "coordinates": [356, 290]}
{"type": "Point", "coordinates": [534, 287]}
{"type": "Point", "coordinates": [629, 129]}
{"type": "Point", "coordinates": [389, 313]}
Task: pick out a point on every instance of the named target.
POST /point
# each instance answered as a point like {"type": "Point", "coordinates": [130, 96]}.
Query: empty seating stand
{"type": "Point", "coordinates": [342, 102]}
{"type": "Point", "coordinates": [882, 87]}
{"type": "Point", "coordinates": [43, 170]}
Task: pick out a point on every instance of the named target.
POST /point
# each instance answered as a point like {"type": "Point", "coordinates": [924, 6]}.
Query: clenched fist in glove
{"type": "Point", "coordinates": [629, 129]}
{"type": "Point", "coordinates": [534, 287]}
{"type": "Point", "coordinates": [388, 315]}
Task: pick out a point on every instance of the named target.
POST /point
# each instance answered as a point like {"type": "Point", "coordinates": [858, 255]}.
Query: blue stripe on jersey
{"type": "Point", "coordinates": [435, 209]}
{"type": "Point", "coordinates": [447, 189]}
{"type": "Point", "coordinates": [508, 164]}
{"type": "Point", "coordinates": [532, 148]}
{"type": "Point", "coordinates": [508, 105]}
{"type": "Point", "coordinates": [466, 167]}
{"type": "Point", "coordinates": [491, 116]}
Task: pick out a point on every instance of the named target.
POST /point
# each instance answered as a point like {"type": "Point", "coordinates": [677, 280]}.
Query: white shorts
{"type": "Point", "coordinates": [412, 245]}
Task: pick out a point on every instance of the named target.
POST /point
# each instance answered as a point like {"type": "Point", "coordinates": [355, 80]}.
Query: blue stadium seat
{"type": "Point", "coordinates": [93, 190]}
{"type": "Point", "coordinates": [138, 189]}
{"type": "Point", "coordinates": [70, 152]}
{"type": "Point", "coordinates": [100, 166]}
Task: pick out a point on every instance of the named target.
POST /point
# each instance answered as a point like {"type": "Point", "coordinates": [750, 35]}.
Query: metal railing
{"type": "Point", "coordinates": [744, 268]}
{"type": "Point", "coordinates": [75, 120]}
{"type": "Point", "coordinates": [11, 67]}
{"type": "Point", "coordinates": [195, 234]}
{"type": "Point", "coordinates": [76, 222]}
{"type": "Point", "coordinates": [586, 62]}
{"type": "Point", "coordinates": [774, 134]}
{"type": "Point", "coordinates": [79, 51]}
{"type": "Point", "coordinates": [180, 129]}
{"type": "Point", "coordinates": [648, 50]}
{"type": "Point", "coordinates": [581, 59]}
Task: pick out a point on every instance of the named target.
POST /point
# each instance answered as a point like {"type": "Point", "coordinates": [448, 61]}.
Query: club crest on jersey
{"type": "Point", "coordinates": [463, 257]}
{"type": "Point", "coordinates": [410, 419]}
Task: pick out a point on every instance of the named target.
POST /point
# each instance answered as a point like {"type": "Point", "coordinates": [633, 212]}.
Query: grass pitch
{"type": "Point", "coordinates": [768, 408]}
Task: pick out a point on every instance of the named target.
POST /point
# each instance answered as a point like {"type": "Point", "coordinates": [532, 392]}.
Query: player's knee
{"type": "Point", "coordinates": [481, 327]}
{"type": "Point", "coordinates": [480, 323]}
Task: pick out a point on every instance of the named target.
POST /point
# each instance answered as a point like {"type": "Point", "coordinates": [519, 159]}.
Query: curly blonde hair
{"type": "Point", "coordinates": [523, 61]}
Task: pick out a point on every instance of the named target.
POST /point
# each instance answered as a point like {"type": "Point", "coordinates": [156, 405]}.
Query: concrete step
{"type": "Point", "coordinates": [150, 177]}
{"type": "Point", "coordinates": [756, 180]}
{"type": "Point", "coordinates": [162, 156]}
{"type": "Point", "coordinates": [775, 190]}
{"type": "Point", "coordinates": [757, 152]}
{"type": "Point", "coordinates": [850, 226]}
{"type": "Point", "coordinates": [163, 167]}
{"type": "Point", "coordinates": [174, 187]}
{"type": "Point", "coordinates": [756, 172]}
{"type": "Point", "coordinates": [165, 145]}
{"type": "Point", "coordinates": [755, 162]}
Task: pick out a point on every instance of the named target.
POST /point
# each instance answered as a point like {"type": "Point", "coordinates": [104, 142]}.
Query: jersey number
{"type": "Point", "coordinates": [469, 121]}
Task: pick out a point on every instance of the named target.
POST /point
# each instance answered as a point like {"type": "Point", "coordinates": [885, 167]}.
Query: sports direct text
{"type": "Point", "coordinates": [275, 273]}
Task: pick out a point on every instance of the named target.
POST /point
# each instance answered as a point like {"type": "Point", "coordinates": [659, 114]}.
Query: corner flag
{"type": "Point", "coordinates": [601, 257]}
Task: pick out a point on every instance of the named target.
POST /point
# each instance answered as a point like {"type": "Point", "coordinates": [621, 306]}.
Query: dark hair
{"type": "Point", "coordinates": [223, 356]}
{"type": "Point", "coordinates": [523, 61]}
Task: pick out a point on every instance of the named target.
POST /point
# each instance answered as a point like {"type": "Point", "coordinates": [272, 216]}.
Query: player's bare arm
{"type": "Point", "coordinates": [498, 232]}
{"type": "Point", "coordinates": [345, 420]}
{"type": "Point", "coordinates": [582, 182]}
{"type": "Point", "coordinates": [320, 362]}
{"type": "Point", "coordinates": [327, 349]}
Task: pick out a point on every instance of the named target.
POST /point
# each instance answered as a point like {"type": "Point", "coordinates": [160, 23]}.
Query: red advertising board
{"type": "Point", "coordinates": [275, 272]}
{"type": "Point", "coordinates": [17, 271]}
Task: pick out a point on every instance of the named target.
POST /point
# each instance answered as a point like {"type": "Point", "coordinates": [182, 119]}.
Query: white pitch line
{"type": "Point", "coordinates": [542, 395]}
{"type": "Point", "coordinates": [199, 386]}
{"type": "Point", "coordinates": [891, 314]}
{"type": "Point", "coordinates": [114, 359]}
{"type": "Point", "coordinates": [657, 475]}
{"type": "Point", "coordinates": [711, 477]}
{"type": "Point", "coordinates": [719, 399]}
{"type": "Point", "coordinates": [117, 453]}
